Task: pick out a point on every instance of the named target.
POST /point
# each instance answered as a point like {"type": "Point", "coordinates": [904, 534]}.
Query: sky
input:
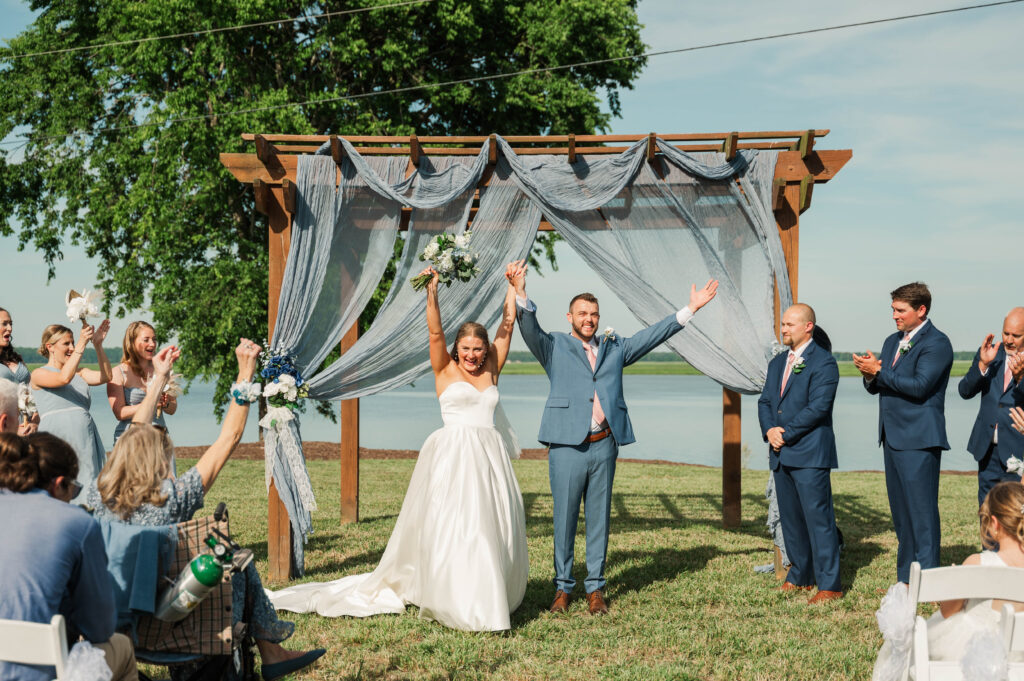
{"type": "Point", "coordinates": [931, 108]}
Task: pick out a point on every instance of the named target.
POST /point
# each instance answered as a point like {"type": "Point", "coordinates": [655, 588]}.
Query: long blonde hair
{"type": "Point", "coordinates": [129, 355]}
{"type": "Point", "coordinates": [135, 470]}
{"type": "Point", "coordinates": [1005, 503]}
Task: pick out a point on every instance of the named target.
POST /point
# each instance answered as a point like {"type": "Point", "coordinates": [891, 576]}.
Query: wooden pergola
{"type": "Point", "coordinates": [271, 167]}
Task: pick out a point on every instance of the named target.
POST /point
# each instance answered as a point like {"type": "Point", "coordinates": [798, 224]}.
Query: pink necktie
{"type": "Point", "coordinates": [598, 412]}
{"type": "Point", "coordinates": [787, 371]}
{"type": "Point", "coordinates": [898, 353]}
{"type": "Point", "coordinates": [1007, 374]}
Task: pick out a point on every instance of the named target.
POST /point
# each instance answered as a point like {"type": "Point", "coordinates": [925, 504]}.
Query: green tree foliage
{"type": "Point", "coordinates": [138, 182]}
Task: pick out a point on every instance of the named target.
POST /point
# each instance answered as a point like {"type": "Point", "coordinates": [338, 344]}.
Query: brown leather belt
{"type": "Point", "coordinates": [597, 437]}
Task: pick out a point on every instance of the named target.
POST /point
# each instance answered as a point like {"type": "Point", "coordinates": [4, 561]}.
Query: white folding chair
{"type": "Point", "coordinates": [1012, 624]}
{"type": "Point", "coordinates": [34, 643]}
{"type": "Point", "coordinates": [952, 583]}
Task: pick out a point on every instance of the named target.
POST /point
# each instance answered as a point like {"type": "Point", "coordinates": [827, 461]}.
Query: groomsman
{"type": "Point", "coordinates": [795, 411]}
{"type": "Point", "coordinates": [993, 440]}
{"type": "Point", "coordinates": [910, 380]}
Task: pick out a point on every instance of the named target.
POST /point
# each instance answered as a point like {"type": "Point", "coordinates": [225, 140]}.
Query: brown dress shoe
{"type": "Point", "coordinates": [561, 603]}
{"type": "Point", "coordinates": [790, 586]}
{"type": "Point", "coordinates": [825, 596]}
{"type": "Point", "coordinates": [596, 604]}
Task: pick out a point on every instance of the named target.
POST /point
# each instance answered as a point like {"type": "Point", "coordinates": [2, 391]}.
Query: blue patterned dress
{"type": "Point", "coordinates": [184, 497]}
{"type": "Point", "coordinates": [133, 397]}
{"type": "Point", "coordinates": [64, 412]}
{"type": "Point", "coordinates": [20, 374]}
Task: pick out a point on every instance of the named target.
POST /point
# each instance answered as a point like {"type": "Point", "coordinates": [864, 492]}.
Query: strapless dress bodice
{"type": "Point", "coordinates": [464, 405]}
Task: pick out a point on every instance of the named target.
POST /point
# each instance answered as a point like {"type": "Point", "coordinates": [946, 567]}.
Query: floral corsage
{"type": "Point", "coordinates": [245, 392]}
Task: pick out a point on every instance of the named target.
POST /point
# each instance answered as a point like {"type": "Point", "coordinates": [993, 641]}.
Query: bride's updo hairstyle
{"type": "Point", "coordinates": [470, 329]}
{"type": "Point", "coordinates": [1005, 503]}
{"type": "Point", "coordinates": [52, 334]}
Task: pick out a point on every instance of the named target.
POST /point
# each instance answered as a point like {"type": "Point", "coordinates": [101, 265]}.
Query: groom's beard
{"type": "Point", "coordinates": [579, 332]}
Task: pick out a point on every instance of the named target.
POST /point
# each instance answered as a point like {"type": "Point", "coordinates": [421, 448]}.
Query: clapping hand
{"type": "Point", "coordinates": [1017, 416]}
{"type": "Point", "coordinates": [1016, 364]}
{"type": "Point", "coordinates": [100, 334]}
{"type": "Point", "coordinates": [987, 352]}
{"type": "Point", "coordinates": [867, 364]}
{"type": "Point", "coordinates": [699, 299]}
{"type": "Point", "coordinates": [164, 360]}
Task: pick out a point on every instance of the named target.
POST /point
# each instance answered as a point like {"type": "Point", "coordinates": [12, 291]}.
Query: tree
{"type": "Point", "coordinates": [122, 155]}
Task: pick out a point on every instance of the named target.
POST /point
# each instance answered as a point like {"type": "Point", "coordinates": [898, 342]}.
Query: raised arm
{"type": "Point", "coordinates": [537, 339]}
{"type": "Point", "coordinates": [41, 378]}
{"type": "Point", "coordinates": [439, 357]}
{"type": "Point", "coordinates": [163, 362]}
{"type": "Point", "coordinates": [91, 376]}
{"type": "Point", "coordinates": [503, 336]}
{"type": "Point", "coordinates": [214, 458]}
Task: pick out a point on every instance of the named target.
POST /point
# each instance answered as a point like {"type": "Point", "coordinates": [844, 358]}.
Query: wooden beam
{"type": "Point", "coordinates": [806, 188]}
{"type": "Point", "coordinates": [823, 165]}
{"type": "Point", "coordinates": [279, 538]}
{"type": "Point", "coordinates": [572, 149]}
{"type": "Point", "coordinates": [806, 143]}
{"type": "Point", "coordinates": [289, 191]}
{"type": "Point", "coordinates": [350, 445]}
{"type": "Point", "coordinates": [414, 150]}
{"type": "Point", "coordinates": [492, 150]}
{"type": "Point", "coordinates": [534, 139]}
{"type": "Point", "coordinates": [264, 149]}
{"type": "Point", "coordinates": [652, 146]}
{"type": "Point", "coordinates": [337, 151]}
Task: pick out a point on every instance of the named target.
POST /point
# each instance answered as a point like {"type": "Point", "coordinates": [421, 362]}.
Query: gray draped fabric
{"type": "Point", "coordinates": [648, 230]}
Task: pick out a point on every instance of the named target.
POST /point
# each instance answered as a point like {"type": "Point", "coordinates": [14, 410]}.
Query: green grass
{"type": "Point", "coordinates": [685, 603]}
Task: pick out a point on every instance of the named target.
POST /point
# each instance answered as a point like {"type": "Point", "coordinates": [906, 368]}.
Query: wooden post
{"type": "Point", "coordinates": [279, 223]}
{"type": "Point", "coordinates": [731, 473]}
{"type": "Point", "coordinates": [350, 445]}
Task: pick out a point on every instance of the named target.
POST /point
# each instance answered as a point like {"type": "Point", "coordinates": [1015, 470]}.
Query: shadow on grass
{"type": "Point", "coordinates": [640, 512]}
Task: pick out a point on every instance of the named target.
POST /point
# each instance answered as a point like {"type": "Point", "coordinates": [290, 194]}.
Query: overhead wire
{"type": "Point", "coordinates": [537, 70]}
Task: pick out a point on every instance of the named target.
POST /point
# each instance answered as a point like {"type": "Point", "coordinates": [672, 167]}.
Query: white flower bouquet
{"type": "Point", "coordinates": [82, 305]}
{"type": "Point", "coordinates": [451, 257]}
{"type": "Point", "coordinates": [173, 386]}
{"type": "Point", "coordinates": [26, 403]}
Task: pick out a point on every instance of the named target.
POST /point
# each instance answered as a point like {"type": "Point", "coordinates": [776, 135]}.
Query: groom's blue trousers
{"type": "Point", "coordinates": [582, 473]}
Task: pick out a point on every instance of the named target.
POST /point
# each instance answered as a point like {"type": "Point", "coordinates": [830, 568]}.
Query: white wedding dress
{"type": "Point", "coordinates": [458, 549]}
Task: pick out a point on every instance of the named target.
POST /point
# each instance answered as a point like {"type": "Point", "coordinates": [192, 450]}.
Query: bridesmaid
{"type": "Point", "coordinates": [127, 385]}
{"type": "Point", "coordinates": [61, 391]}
{"type": "Point", "coordinates": [13, 368]}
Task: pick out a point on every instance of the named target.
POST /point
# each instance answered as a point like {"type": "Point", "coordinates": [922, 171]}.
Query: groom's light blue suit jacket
{"type": "Point", "coordinates": [570, 404]}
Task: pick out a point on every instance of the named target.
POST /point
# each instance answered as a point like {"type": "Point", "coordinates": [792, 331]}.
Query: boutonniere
{"type": "Point", "coordinates": [798, 365]}
{"type": "Point", "coordinates": [905, 346]}
{"type": "Point", "coordinates": [1015, 465]}
{"type": "Point", "coordinates": [609, 334]}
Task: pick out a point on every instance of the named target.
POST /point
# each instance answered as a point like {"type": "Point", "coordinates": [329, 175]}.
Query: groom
{"type": "Point", "coordinates": [585, 420]}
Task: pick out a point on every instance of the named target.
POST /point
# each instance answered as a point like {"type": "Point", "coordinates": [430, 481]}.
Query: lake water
{"type": "Point", "coordinates": [676, 418]}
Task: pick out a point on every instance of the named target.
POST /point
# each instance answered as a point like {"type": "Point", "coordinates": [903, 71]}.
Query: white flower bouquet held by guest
{"type": "Point", "coordinates": [82, 306]}
{"type": "Point", "coordinates": [12, 368]}
{"type": "Point", "coordinates": [61, 391]}
{"type": "Point", "coordinates": [450, 260]}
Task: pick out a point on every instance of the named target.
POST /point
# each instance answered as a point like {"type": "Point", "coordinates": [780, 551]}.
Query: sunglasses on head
{"type": "Point", "coordinates": [74, 487]}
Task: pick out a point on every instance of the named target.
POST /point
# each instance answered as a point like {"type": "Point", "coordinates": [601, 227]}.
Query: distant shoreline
{"type": "Point", "coordinates": [658, 367]}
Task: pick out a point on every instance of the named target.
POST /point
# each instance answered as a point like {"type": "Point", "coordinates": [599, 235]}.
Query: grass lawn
{"type": "Point", "coordinates": [685, 603]}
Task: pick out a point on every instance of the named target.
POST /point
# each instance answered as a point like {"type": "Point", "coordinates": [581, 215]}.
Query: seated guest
{"type": "Point", "coordinates": [54, 561]}
{"type": "Point", "coordinates": [12, 367]}
{"type": "Point", "coordinates": [953, 625]}
{"type": "Point", "coordinates": [61, 391]}
{"type": "Point", "coordinates": [8, 406]}
{"type": "Point", "coordinates": [130, 378]}
{"type": "Point", "coordinates": [136, 487]}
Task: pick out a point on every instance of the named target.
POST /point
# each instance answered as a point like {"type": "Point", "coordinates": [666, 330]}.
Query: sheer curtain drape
{"type": "Point", "coordinates": [649, 230]}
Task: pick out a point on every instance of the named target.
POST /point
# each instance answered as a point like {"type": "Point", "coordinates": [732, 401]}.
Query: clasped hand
{"type": "Point", "coordinates": [867, 364]}
{"type": "Point", "coordinates": [775, 437]}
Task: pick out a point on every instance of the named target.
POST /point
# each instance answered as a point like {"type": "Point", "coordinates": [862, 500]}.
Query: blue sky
{"type": "Point", "coordinates": [931, 108]}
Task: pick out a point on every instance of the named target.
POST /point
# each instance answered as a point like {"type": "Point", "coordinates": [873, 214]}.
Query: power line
{"type": "Point", "coordinates": [207, 31]}
{"type": "Point", "coordinates": [500, 76]}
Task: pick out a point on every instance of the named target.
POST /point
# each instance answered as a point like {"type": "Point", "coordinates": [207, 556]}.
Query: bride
{"type": "Point", "coordinates": [458, 549]}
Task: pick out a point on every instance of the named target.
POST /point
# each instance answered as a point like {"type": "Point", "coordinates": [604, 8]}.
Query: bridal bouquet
{"type": "Point", "coordinates": [173, 386]}
{"type": "Point", "coordinates": [283, 389]}
{"type": "Point", "coordinates": [82, 305]}
{"type": "Point", "coordinates": [451, 257]}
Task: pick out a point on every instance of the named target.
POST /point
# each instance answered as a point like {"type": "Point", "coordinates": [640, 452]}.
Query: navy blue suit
{"type": "Point", "coordinates": [994, 409]}
{"type": "Point", "coordinates": [801, 469]}
{"type": "Point", "coordinates": [912, 432]}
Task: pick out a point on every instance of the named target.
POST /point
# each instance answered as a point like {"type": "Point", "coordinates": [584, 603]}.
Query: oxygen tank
{"type": "Point", "coordinates": [195, 582]}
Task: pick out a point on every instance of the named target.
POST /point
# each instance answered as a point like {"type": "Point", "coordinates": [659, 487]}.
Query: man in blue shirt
{"type": "Point", "coordinates": [54, 563]}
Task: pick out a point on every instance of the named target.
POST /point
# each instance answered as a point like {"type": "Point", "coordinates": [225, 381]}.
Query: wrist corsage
{"type": "Point", "coordinates": [245, 392]}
